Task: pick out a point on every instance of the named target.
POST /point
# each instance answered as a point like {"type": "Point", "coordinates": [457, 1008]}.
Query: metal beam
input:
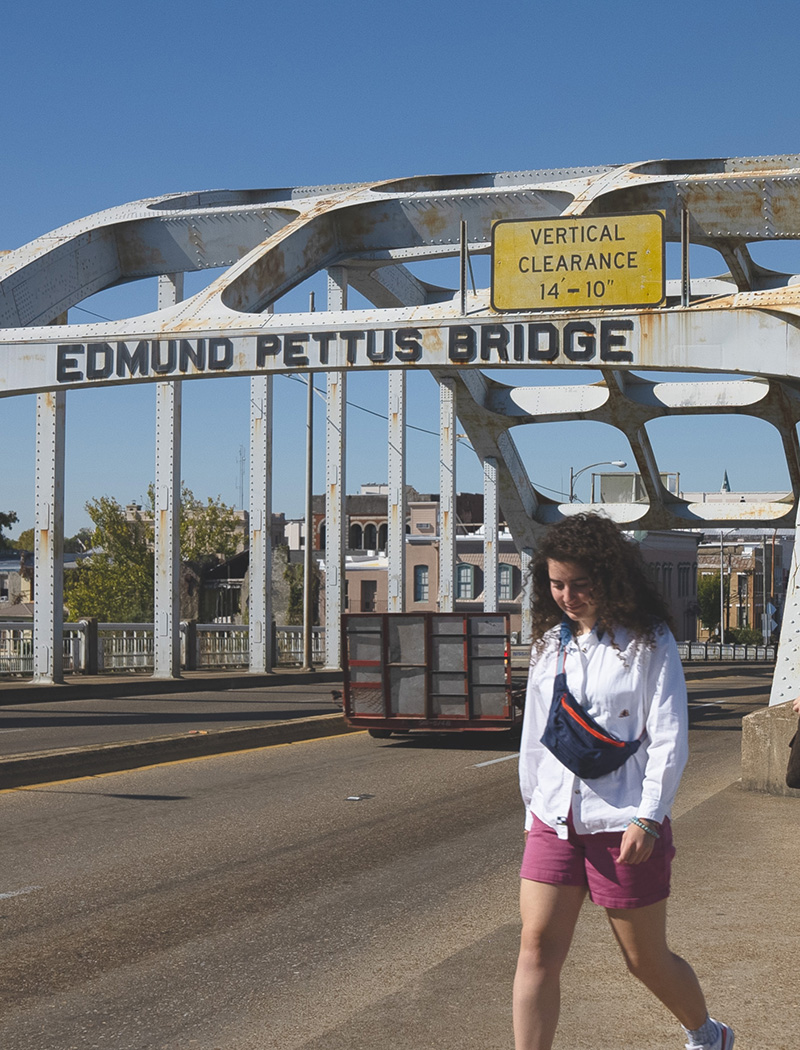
{"type": "Point", "coordinates": [48, 608]}
{"type": "Point", "coordinates": [335, 491]}
{"type": "Point", "coordinates": [490, 534]}
{"type": "Point", "coordinates": [260, 568]}
{"type": "Point", "coordinates": [169, 403]}
{"type": "Point", "coordinates": [447, 495]}
{"type": "Point", "coordinates": [396, 547]}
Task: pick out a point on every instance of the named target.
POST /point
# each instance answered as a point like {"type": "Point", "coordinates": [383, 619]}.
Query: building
{"type": "Point", "coordinates": [671, 559]}
{"type": "Point", "coordinates": [16, 579]}
{"type": "Point", "coordinates": [753, 565]}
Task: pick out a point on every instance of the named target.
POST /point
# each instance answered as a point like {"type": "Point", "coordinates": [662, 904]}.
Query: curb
{"type": "Point", "coordinates": [86, 687]}
{"type": "Point", "coordinates": [70, 764]}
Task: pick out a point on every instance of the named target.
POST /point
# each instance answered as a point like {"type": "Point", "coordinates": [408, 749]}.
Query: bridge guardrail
{"type": "Point", "coordinates": [125, 647]}
{"type": "Point", "coordinates": [110, 647]}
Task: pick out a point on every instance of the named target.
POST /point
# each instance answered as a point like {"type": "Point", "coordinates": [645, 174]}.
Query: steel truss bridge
{"type": "Point", "coordinates": [745, 323]}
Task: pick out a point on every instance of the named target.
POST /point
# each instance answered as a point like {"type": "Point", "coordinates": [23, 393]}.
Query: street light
{"type": "Point", "coordinates": [573, 474]}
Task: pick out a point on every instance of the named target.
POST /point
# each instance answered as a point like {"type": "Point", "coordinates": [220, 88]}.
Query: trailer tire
{"type": "Point", "coordinates": [380, 734]}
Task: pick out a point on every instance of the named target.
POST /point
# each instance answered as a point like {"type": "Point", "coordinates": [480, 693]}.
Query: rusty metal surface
{"type": "Point", "coordinates": [744, 322]}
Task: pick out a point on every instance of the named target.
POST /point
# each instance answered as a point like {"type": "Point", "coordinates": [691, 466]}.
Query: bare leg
{"type": "Point", "coordinates": [642, 935]}
{"type": "Point", "coordinates": [549, 914]}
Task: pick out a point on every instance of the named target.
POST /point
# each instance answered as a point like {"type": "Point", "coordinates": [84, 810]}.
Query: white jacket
{"type": "Point", "coordinates": [629, 688]}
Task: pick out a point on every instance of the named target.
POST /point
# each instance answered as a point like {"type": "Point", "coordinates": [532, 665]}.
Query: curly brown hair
{"type": "Point", "coordinates": [613, 563]}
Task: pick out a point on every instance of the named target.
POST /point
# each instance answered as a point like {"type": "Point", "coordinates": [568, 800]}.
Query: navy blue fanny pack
{"type": "Point", "coordinates": [574, 737]}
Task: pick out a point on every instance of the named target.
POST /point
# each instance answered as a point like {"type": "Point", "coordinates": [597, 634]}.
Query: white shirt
{"type": "Point", "coordinates": [630, 689]}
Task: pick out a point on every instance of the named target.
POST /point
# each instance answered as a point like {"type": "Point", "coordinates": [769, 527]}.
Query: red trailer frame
{"type": "Point", "coordinates": [428, 671]}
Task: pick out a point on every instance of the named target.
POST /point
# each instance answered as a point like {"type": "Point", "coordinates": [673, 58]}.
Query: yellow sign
{"type": "Point", "coordinates": [564, 263]}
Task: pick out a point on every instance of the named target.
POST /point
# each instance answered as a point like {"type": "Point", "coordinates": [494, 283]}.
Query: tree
{"type": "Point", "coordinates": [25, 540]}
{"type": "Point", "coordinates": [294, 574]}
{"type": "Point", "coordinates": [116, 582]}
{"type": "Point", "coordinates": [708, 599]}
{"type": "Point", "coordinates": [210, 531]}
{"type": "Point", "coordinates": [6, 521]}
{"type": "Point", "coordinates": [77, 544]}
{"type": "Point", "coordinates": [745, 635]}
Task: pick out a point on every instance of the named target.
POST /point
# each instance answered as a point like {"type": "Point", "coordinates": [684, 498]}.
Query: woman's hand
{"type": "Point", "coordinates": [636, 845]}
{"type": "Point", "coordinates": [796, 706]}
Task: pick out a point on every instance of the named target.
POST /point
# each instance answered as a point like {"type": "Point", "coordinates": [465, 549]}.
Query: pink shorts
{"type": "Point", "coordinates": [591, 861]}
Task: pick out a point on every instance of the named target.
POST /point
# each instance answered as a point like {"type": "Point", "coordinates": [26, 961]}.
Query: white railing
{"type": "Point", "coordinates": [16, 648]}
{"type": "Point", "coordinates": [129, 647]}
{"type": "Point", "coordinates": [690, 651]}
{"type": "Point", "coordinates": [125, 647]}
{"type": "Point", "coordinates": [289, 645]}
{"type": "Point", "coordinates": [220, 646]}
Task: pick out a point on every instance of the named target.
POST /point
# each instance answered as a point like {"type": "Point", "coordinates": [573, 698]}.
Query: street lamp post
{"type": "Point", "coordinates": [574, 474]}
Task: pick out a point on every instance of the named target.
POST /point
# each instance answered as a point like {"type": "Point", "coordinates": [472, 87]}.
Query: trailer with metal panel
{"type": "Point", "coordinates": [443, 672]}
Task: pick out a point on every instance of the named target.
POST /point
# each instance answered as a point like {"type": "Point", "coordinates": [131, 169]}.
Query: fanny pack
{"type": "Point", "coordinates": [574, 737]}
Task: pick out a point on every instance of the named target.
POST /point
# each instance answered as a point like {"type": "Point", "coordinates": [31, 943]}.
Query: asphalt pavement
{"type": "Point", "coordinates": [740, 851]}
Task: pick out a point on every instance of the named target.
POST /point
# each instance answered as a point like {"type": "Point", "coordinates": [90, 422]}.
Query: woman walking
{"type": "Point", "coordinates": [605, 687]}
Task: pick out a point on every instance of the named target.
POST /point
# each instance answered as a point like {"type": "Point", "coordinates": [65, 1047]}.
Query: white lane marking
{"type": "Point", "coordinates": [11, 730]}
{"type": "Point", "coordinates": [492, 761]}
{"type": "Point", "coordinates": [18, 893]}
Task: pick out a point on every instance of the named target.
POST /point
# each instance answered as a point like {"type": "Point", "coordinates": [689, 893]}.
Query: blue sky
{"type": "Point", "coordinates": [108, 103]}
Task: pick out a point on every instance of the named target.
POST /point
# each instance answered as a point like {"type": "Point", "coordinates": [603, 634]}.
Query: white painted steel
{"type": "Point", "coordinates": [491, 513]}
{"type": "Point", "coordinates": [335, 488]}
{"type": "Point", "coordinates": [526, 598]}
{"type": "Point", "coordinates": [260, 567]}
{"type": "Point", "coordinates": [48, 612]}
{"type": "Point", "coordinates": [448, 525]}
{"type": "Point", "coordinates": [743, 323]}
{"type": "Point", "coordinates": [167, 538]}
{"type": "Point", "coordinates": [396, 546]}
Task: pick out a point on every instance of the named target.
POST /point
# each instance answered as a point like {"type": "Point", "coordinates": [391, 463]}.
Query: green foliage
{"type": "Point", "coordinates": [77, 544]}
{"type": "Point", "coordinates": [294, 574]}
{"type": "Point", "coordinates": [209, 531]}
{"type": "Point", "coordinates": [24, 541]}
{"type": "Point", "coordinates": [745, 636]}
{"type": "Point", "coordinates": [6, 521]}
{"type": "Point", "coordinates": [116, 582]}
{"type": "Point", "coordinates": [81, 541]}
{"type": "Point", "coordinates": [708, 599]}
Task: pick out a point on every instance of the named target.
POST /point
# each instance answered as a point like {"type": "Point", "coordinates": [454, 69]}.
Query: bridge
{"type": "Point", "coordinates": [577, 281]}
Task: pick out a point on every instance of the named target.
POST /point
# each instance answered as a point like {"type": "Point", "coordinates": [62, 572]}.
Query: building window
{"type": "Point", "coordinates": [684, 584]}
{"type": "Point", "coordinates": [356, 537]}
{"type": "Point", "coordinates": [383, 534]}
{"type": "Point", "coordinates": [420, 583]}
{"type": "Point", "coordinates": [505, 589]}
{"type": "Point", "coordinates": [369, 591]}
{"type": "Point", "coordinates": [465, 582]}
{"type": "Point", "coordinates": [666, 573]}
{"type": "Point", "coordinates": [370, 538]}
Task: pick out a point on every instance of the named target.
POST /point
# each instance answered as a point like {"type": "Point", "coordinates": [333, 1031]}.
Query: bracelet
{"type": "Point", "coordinates": [645, 827]}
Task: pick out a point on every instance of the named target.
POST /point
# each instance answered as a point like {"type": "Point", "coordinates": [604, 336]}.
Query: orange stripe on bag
{"type": "Point", "coordinates": [588, 728]}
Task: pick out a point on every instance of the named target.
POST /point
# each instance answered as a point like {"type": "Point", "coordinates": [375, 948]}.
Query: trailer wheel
{"type": "Point", "coordinates": [380, 734]}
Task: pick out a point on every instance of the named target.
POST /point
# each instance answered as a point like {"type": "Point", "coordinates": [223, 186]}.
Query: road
{"type": "Point", "coordinates": [342, 894]}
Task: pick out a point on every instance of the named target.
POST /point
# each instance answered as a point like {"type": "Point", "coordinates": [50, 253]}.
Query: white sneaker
{"type": "Point", "coordinates": [724, 1040]}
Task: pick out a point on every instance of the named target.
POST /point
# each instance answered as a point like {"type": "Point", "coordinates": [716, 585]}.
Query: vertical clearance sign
{"type": "Point", "coordinates": [569, 263]}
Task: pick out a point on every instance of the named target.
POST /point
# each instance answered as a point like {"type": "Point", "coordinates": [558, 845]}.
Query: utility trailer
{"type": "Point", "coordinates": [442, 672]}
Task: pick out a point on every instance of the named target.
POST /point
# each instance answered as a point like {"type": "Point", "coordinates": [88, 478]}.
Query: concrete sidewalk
{"type": "Point", "coordinates": [113, 722]}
